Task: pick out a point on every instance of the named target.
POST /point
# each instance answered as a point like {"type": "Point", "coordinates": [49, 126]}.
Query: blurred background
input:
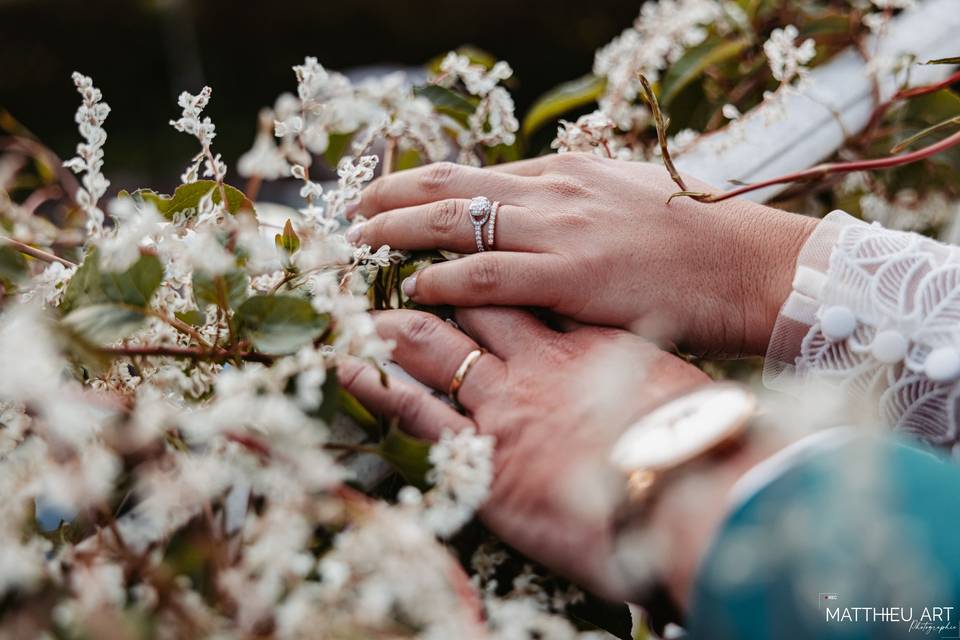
{"type": "Point", "coordinates": [142, 53]}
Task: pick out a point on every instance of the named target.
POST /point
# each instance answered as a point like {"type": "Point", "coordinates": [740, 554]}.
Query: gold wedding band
{"type": "Point", "coordinates": [461, 372]}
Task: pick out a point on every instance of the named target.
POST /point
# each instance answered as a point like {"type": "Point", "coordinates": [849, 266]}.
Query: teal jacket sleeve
{"type": "Point", "coordinates": [860, 541]}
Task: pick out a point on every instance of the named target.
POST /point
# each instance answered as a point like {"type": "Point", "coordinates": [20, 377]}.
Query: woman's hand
{"type": "Point", "coordinates": [595, 240]}
{"type": "Point", "coordinates": [555, 402]}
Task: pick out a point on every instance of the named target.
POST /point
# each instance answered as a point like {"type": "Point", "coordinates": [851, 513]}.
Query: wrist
{"type": "Point", "coordinates": [769, 243]}
{"type": "Point", "coordinates": [690, 513]}
{"type": "Point", "coordinates": [678, 462]}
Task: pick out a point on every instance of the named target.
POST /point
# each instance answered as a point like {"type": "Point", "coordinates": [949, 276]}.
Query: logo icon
{"type": "Point", "coordinates": [826, 597]}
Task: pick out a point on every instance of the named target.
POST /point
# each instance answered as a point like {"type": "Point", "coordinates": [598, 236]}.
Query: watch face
{"type": "Point", "coordinates": [683, 428]}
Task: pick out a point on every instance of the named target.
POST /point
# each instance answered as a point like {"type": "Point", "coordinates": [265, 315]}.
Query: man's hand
{"type": "Point", "coordinates": [595, 240]}
{"type": "Point", "coordinates": [556, 403]}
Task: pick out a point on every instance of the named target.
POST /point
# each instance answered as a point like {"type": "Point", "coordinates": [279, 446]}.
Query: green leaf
{"type": "Point", "coordinates": [954, 60]}
{"type": "Point", "coordinates": [407, 159]}
{"type": "Point", "coordinates": [192, 317]}
{"type": "Point", "coordinates": [448, 101]}
{"type": "Point", "coordinates": [228, 290]}
{"type": "Point", "coordinates": [692, 65]}
{"type": "Point", "coordinates": [336, 147]}
{"type": "Point", "coordinates": [330, 403]}
{"type": "Point", "coordinates": [90, 285]}
{"type": "Point", "coordinates": [288, 240]}
{"type": "Point", "coordinates": [186, 199]}
{"type": "Point", "coordinates": [351, 407]}
{"type": "Point", "coordinates": [280, 324]}
{"type": "Point", "coordinates": [104, 323]}
{"type": "Point", "coordinates": [136, 285]}
{"type": "Point", "coordinates": [84, 287]}
{"type": "Point", "coordinates": [408, 455]}
{"type": "Point", "coordinates": [924, 133]}
{"type": "Point", "coordinates": [12, 264]}
{"type": "Point", "coordinates": [561, 99]}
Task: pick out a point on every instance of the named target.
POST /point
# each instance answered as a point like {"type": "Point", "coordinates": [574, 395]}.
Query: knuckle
{"type": "Point", "coordinates": [560, 349]}
{"type": "Point", "coordinates": [408, 406]}
{"type": "Point", "coordinates": [420, 328]}
{"type": "Point", "coordinates": [566, 187]}
{"type": "Point", "coordinates": [484, 275]}
{"type": "Point", "coordinates": [373, 230]}
{"type": "Point", "coordinates": [348, 373]}
{"type": "Point", "coordinates": [373, 194]}
{"type": "Point", "coordinates": [443, 216]}
{"type": "Point", "coordinates": [438, 175]}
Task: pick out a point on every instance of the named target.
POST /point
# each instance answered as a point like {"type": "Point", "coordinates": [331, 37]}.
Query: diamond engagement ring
{"type": "Point", "coordinates": [480, 208]}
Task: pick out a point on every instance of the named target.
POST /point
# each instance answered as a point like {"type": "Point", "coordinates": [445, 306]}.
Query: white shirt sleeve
{"type": "Point", "coordinates": [876, 313]}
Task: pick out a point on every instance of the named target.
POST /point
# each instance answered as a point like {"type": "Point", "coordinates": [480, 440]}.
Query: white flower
{"type": "Point", "coordinates": [189, 122]}
{"type": "Point", "coordinates": [787, 60]}
{"type": "Point", "coordinates": [492, 121]}
{"type": "Point", "coordinates": [477, 79]}
{"type": "Point", "coordinates": [264, 159]}
{"type": "Point", "coordinates": [206, 254]}
{"type": "Point", "coordinates": [381, 258]}
{"type": "Point", "coordinates": [660, 35]}
{"type": "Point", "coordinates": [50, 285]}
{"type": "Point", "coordinates": [392, 111]}
{"type": "Point", "coordinates": [90, 117]}
{"type": "Point", "coordinates": [204, 131]}
{"type": "Point", "coordinates": [353, 175]}
{"type": "Point", "coordinates": [592, 133]}
{"type": "Point", "coordinates": [135, 226]}
{"type": "Point", "coordinates": [462, 472]}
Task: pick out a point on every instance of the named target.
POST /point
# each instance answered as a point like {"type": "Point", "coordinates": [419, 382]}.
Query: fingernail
{"type": "Point", "coordinates": [353, 233]}
{"type": "Point", "coordinates": [409, 286]}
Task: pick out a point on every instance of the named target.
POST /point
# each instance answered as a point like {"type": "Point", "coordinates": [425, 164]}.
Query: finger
{"type": "Point", "coordinates": [505, 331]}
{"type": "Point", "coordinates": [431, 350]}
{"type": "Point", "coordinates": [419, 412]}
{"type": "Point", "coordinates": [491, 278]}
{"type": "Point", "coordinates": [436, 182]}
{"type": "Point", "coordinates": [446, 224]}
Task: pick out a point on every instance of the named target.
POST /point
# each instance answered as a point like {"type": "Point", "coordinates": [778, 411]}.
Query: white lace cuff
{"type": "Point", "coordinates": [877, 313]}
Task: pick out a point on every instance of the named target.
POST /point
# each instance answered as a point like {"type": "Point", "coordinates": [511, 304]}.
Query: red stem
{"type": "Point", "coordinates": [930, 88]}
{"type": "Point", "coordinates": [822, 170]}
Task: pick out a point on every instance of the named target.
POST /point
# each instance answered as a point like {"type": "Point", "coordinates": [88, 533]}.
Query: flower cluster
{"type": "Point", "coordinates": [492, 122]}
{"type": "Point", "coordinates": [591, 133]}
{"type": "Point", "coordinates": [90, 117]}
{"type": "Point", "coordinates": [787, 59]}
{"type": "Point", "coordinates": [659, 36]}
{"type": "Point", "coordinates": [204, 131]}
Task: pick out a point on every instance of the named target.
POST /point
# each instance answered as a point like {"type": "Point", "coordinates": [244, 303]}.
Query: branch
{"type": "Point", "coordinates": [34, 252]}
{"type": "Point", "coordinates": [930, 88]}
{"type": "Point", "coordinates": [193, 353]}
{"type": "Point", "coordinates": [651, 99]}
{"type": "Point", "coordinates": [903, 94]}
{"type": "Point", "coordinates": [822, 170]}
{"type": "Point", "coordinates": [389, 156]}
